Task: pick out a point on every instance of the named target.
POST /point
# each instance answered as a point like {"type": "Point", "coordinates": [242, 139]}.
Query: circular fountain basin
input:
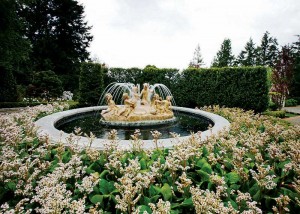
{"type": "Point", "coordinates": [47, 126]}
{"type": "Point", "coordinates": [137, 124]}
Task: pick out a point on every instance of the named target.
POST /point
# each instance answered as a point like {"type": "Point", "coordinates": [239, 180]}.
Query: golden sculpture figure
{"type": "Point", "coordinates": [137, 107]}
{"type": "Point", "coordinates": [167, 105]}
{"type": "Point", "coordinates": [129, 105]}
{"type": "Point", "coordinates": [111, 105]}
{"type": "Point", "coordinates": [145, 94]}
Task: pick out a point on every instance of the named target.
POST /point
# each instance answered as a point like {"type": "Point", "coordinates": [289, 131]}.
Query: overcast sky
{"type": "Point", "coordinates": [135, 33]}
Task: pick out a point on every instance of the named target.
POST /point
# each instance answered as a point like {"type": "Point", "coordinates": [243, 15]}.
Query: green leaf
{"type": "Point", "coordinates": [166, 192]}
{"type": "Point", "coordinates": [204, 175]}
{"type": "Point", "coordinates": [143, 164]}
{"type": "Point", "coordinates": [144, 208]}
{"type": "Point", "coordinates": [204, 151]}
{"type": "Point", "coordinates": [233, 177]}
{"type": "Point", "coordinates": [104, 173]}
{"type": "Point", "coordinates": [154, 198]}
{"type": "Point", "coordinates": [201, 162]}
{"type": "Point", "coordinates": [186, 203]}
{"type": "Point", "coordinates": [153, 191]}
{"type": "Point", "coordinates": [206, 168]}
{"type": "Point", "coordinates": [11, 186]}
{"type": "Point", "coordinates": [104, 186]}
{"type": "Point", "coordinates": [257, 196]}
{"type": "Point", "coordinates": [96, 199]}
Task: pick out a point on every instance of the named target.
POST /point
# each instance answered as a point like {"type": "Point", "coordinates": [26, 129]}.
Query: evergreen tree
{"type": "Point", "coordinates": [8, 86]}
{"type": "Point", "coordinates": [90, 83]}
{"type": "Point", "coordinates": [247, 56]}
{"type": "Point", "coordinates": [224, 57]}
{"type": "Point", "coordinates": [59, 36]}
{"type": "Point", "coordinates": [197, 60]}
{"type": "Point", "coordinates": [267, 52]}
{"type": "Point", "coordinates": [14, 48]}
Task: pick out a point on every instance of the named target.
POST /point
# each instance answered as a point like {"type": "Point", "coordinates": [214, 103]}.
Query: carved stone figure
{"type": "Point", "coordinates": [137, 106]}
{"type": "Point", "coordinates": [167, 105]}
{"type": "Point", "coordinates": [145, 94]}
{"type": "Point", "coordinates": [128, 107]}
{"type": "Point", "coordinates": [112, 108]}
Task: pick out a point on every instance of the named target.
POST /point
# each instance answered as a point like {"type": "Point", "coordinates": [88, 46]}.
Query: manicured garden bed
{"type": "Point", "coordinates": [254, 168]}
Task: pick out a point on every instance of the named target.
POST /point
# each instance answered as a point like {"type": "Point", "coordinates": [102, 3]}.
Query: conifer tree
{"type": "Point", "coordinates": [224, 57]}
{"type": "Point", "coordinates": [59, 36]}
{"type": "Point", "coordinates": [197, 60]}
{"type": "Point", "coordinates": [267, 52]}
{"type": "Point", "coordinates": [247, 56]}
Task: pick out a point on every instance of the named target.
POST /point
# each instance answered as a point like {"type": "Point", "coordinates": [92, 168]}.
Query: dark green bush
{"type": "Point", "coordinates": [90, 83]}
{"type": "Point", "coordinates": [291, 102]}
{"type": "Point", "coordinates": [280, 114]}
{"type": "Point", "coordinates": [244, 87]}
{"type": "Point", "coordinates": [47, 84]}
{"type": "Point", "coordinates": [8, 86]}
{"type": "Point", "coordinates": [273, 106]}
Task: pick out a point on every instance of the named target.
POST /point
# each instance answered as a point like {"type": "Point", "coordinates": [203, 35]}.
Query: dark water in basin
{"type": "Point", "coordinates": [184, 125]}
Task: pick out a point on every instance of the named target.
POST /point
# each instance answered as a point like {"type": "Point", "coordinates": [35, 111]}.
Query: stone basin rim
{"type": "Point", "coordinates": [46, 126]}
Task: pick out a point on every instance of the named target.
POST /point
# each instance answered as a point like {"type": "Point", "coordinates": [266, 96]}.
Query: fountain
{"type": "Point", "coordinates": [150, 106]}
{"type": "Point", "coordinates": [123, 106]}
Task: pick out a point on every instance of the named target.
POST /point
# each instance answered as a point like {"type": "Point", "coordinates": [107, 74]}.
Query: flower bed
{"type": "Point", "coordinates": [253, 169]}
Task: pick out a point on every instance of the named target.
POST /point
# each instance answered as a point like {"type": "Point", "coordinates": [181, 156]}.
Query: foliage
{"type": "Point", "coordinates": [280, 113]}
{"type": "Point", "coordinates": [14, 47]}
{"type": "Point", "coordinates": [295, 85]}
{"type": "Point", "coordinates": [247, 56]}
{"type": "Point", "coordinates": [197, 60]}
{"type": "Point", "coordinates": [291, 102]}
{"type": "Point", "coordinates": [267, 52]}
{"type": "Point", "coordinates": [8, 86]}
{"type": "Point", "coordinates": [59, 37]}
{"type": "Point", "coordinates": [224, 57]}
{"type": "Point", "coordinates": [244, 87]}
{"type": "Point", "coordinates": [282, 76]}
{"type": "Point", "coordinates": [253, 169]}
{"type": "Point", "coordinates": [150, 74]}
{"type": "Point", "coordinates": [47, 85]}
{"type": "Point", "coordinates": [272, 106]}
{"type": "Point", "coordinates": [90, 83]}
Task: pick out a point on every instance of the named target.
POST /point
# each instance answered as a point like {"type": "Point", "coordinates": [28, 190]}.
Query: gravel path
{"type": "Point", "coordinates": [295, 110]}
{"type": "Point", "coordinates": [10, 110]}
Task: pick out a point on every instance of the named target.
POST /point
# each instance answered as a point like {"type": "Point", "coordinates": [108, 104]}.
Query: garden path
{"type": "Point", "coordinates": [295, 110]}
{"type": "Point", "coordinates": [10, 110]}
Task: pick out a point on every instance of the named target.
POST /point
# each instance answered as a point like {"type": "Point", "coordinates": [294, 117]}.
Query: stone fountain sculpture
{"type": "Point", "coordinates": [146, 105]}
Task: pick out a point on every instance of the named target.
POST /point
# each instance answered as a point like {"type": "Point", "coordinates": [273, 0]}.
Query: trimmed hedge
{"type": "Point", "coordinates": [8, 86]}
{"type": "Point", "coordinates": [243, 87]}
{"type": "Point", "coordinates": [90, 83]}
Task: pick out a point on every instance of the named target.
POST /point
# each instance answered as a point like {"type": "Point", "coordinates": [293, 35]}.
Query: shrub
{"type": "Point", "coordinates": [244, 87]}
{"type": "Point", "coordinates": [291, 102]}
{"type": "Point", "coordinates": [273, 106]}
{"type": "Point", "coordinates": [47, 84]}
{"type": "Point", "coordinates": [280, 113]}
{"type": "Point", "coordinates": [90, 83]}
{"type": "Point", "coordinates": [8, 86]}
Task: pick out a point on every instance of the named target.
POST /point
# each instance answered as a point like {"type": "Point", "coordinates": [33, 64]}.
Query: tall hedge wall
{"type": "Point", "coordinates": [90, 83]}
{"type": "Point", "coordinates": [244, 87]}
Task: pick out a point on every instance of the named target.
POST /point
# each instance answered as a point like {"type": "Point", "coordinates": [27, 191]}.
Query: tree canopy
{"type": "Point", "coordinates": [224, 57]}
